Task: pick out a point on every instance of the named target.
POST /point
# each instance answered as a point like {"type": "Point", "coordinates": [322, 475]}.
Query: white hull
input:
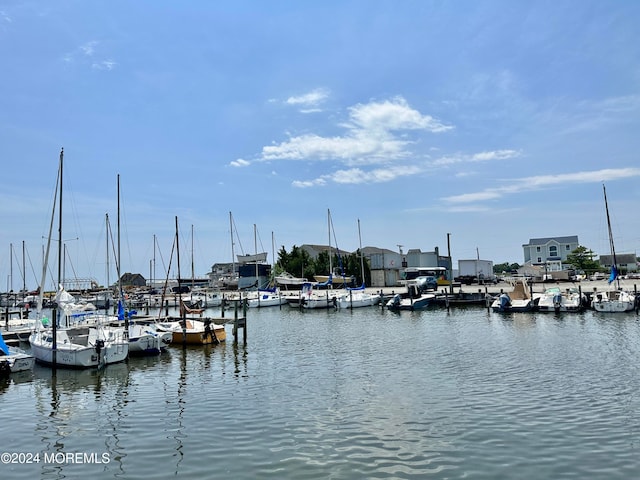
{"type": "Point", "coordinates": [16, 361]}
{"type": "Point", "coordinates": [143, 340]}
{"type": "Point", "coordinates": [288, 280]}
{"type": "Point", "coordinates": [518, 301]}
{"type": "Point", "coordinates": [207, 300]}
{"type": "Point", "coordinates": [358, 299]}
{"type": "Point", "coordinates": [318, 303]}
{"type": "Point", "coordinates": [79, 350]}
{"type": "Point", "coordinates": [266, 300]}
{"type": "Point", "coordinates": [553, 300]}
{"type": "Point", "coordinates": [399, 302]}
{"type": "Point", "coordinates": [514, 306]}
{"type": "Point", "coordinates": [335, 280]}
{"type": "Point", "coordinates": [613, 301]}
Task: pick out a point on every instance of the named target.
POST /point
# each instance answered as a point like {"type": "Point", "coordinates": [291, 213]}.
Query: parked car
{"type": "Point", "coordinates": [427, 283]}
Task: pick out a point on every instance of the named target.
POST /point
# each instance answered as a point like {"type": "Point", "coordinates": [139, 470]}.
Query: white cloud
{"type": "Point", "coordinates": [309, 183]}
{"type": "Point", "coordinates": [311, 99]}
{"type": "Point", "coordinates": [85, 53]}
{"type": "Point", "coordinates": [476, 157]}
{"type": "Point", "coordinates": [239, 163]}
{"type": "Point", "coordinates": [354, 176]}
{"type": "Point", "coordinates": [392, 115]}
{"type": "Point", "coordinates": [378, 135]}
{"type": "Point", "coordinates": [88, 48]}
{"type": "Point", "coordinates": [539, 182]}
{"type": "Point", "coordinates": [370, 136]}
{"type": "Point", "coordinates": [104, 65]}
{"type": "Point", "coordinates": [359, 148]}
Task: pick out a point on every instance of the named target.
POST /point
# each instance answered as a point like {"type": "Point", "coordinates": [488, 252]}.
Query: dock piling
{"type": "Point", "coordinates": [239, 322]}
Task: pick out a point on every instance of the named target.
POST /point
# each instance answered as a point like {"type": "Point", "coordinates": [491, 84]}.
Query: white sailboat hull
{"type": "Point", "coordinates": [614, 301]}
{"type": "Point", "coordinates": [144, 341]}
{"type": "Point", "coordinates": [358, 299]}
{"type": "Point", "coordinates": [71, 351]}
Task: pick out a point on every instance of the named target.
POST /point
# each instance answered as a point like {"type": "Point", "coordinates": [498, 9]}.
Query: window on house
{"type": "Point", "coordinates": [537, 249]}
{"type": "Point", "coordinates": [568, 247]}
{"type": "Point", "coordinates": [553, 251]}
{"type": "Point", "coordinates": [539, 259]}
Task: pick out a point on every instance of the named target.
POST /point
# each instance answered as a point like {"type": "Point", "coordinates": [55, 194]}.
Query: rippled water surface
{"type": "Point", "coordinates": [348, 395]}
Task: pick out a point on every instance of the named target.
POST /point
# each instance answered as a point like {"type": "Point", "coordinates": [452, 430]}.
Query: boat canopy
{"type": "Point", "coordinates": [3, 346]}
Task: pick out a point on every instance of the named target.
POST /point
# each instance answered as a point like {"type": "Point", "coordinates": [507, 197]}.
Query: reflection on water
{"type": "Point", "coordinates": [464, 393]}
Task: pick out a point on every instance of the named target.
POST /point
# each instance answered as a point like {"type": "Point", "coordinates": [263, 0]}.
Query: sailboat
{"type": "Point", "coordinates": [613, 300]}
{"type": "Point", "coordinates": [188, 330]}
{"type": "Point", "coordinates": [265, 297]}
{"type": "Point", "coordinates": [143, 339]}
{"type": "Point", "coordinates": [74, 345]}
{"type": "Point", "coordinates": [358, 296]}
{"type": "Point", "coordinates": [333, 279]}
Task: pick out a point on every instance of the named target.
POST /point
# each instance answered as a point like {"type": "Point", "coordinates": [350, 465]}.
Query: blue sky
{"type": "Point", "coordinates": [492, 121]}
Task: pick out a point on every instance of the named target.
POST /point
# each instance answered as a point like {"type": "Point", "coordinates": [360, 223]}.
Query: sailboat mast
{"type": "Point", "coordinates": [118, 260]}
{"type": "Point", "coordinates": [329, 230]}
{"type": "Point", "coordinates": [233, 254]}
{"type": "Point", "coordinates": [178, 259]}
{"type": "Point", "coordinates": [611, 245]}
{"type": "Point", "coordinates": [255, 246]}
{"type": "Point", "coordinates": [361, 254]}
{"type": "Point", "coordinates": [107, 232]}
{"type": "Point", "coordinates": [10, 283]}
{"type": "Point", "coordinates": [54, 346]}
{"type": "Point", "coordinates": [119, 272]}
{"type": "Point", "coordinates": [24, 273]}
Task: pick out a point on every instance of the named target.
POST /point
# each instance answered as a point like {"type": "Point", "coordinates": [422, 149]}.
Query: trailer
{"type": "Point", "coordinates": [475, 271]}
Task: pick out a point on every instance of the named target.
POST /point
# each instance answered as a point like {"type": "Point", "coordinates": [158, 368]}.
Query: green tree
{"type": "Point", "coordinates": [582, 259]}
{"type": "Point", "coordinates": [505, 267]}
{"type": "Point", "coordinates": [297, 263]}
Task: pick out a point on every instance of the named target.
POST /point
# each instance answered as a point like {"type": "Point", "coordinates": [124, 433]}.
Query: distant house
{"type": "Point", "coordinates": [315, 250]}
{"type": "Point", "coordinates": [133, 280]}
{"type": "Point", "coordinates": [549, 251]}
{"type": "Point", "coordinates": [627, 262]}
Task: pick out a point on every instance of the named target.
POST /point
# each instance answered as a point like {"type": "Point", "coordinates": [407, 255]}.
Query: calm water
{"type": "Point", "coordinates": [348, 395]}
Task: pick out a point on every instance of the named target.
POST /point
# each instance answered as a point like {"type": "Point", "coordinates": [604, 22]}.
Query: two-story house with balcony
{"type": "Point", "coordinates": [549, 253]}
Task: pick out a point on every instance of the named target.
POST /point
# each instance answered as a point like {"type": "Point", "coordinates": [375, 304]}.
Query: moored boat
{"type": "Point", "coordinates": [14, 359]}
{"type": "Point", "coordinates": [286, 280]}
{"type": "Point", "coordinates": [615, 300]}
{"type": "Point", "coordinates": [193, 332]}
{"type": "Point", "coordinates": [267, 298]}
{"type": "Point", "coordinates": [555, 300]}
{"type": "Point", "coordinates": [413, 299]}
{"type": "Point", "coordinates": [358, 297]}
{"type": "Point", "coordinates": [519, 300]}
{"type": "Point", "coordinates": [80, 347]}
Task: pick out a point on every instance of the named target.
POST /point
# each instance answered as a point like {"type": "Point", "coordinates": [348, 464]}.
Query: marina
{"type": "Point", "coordinates": [348, 394]}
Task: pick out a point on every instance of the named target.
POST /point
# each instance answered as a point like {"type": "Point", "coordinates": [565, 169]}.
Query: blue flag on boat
{"type": "Point", "coordinates": [614, 274]}
{"type": "Point", "coordinates": [120, 310]}
{"type": "Point", "coordinates": [3, 346]}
